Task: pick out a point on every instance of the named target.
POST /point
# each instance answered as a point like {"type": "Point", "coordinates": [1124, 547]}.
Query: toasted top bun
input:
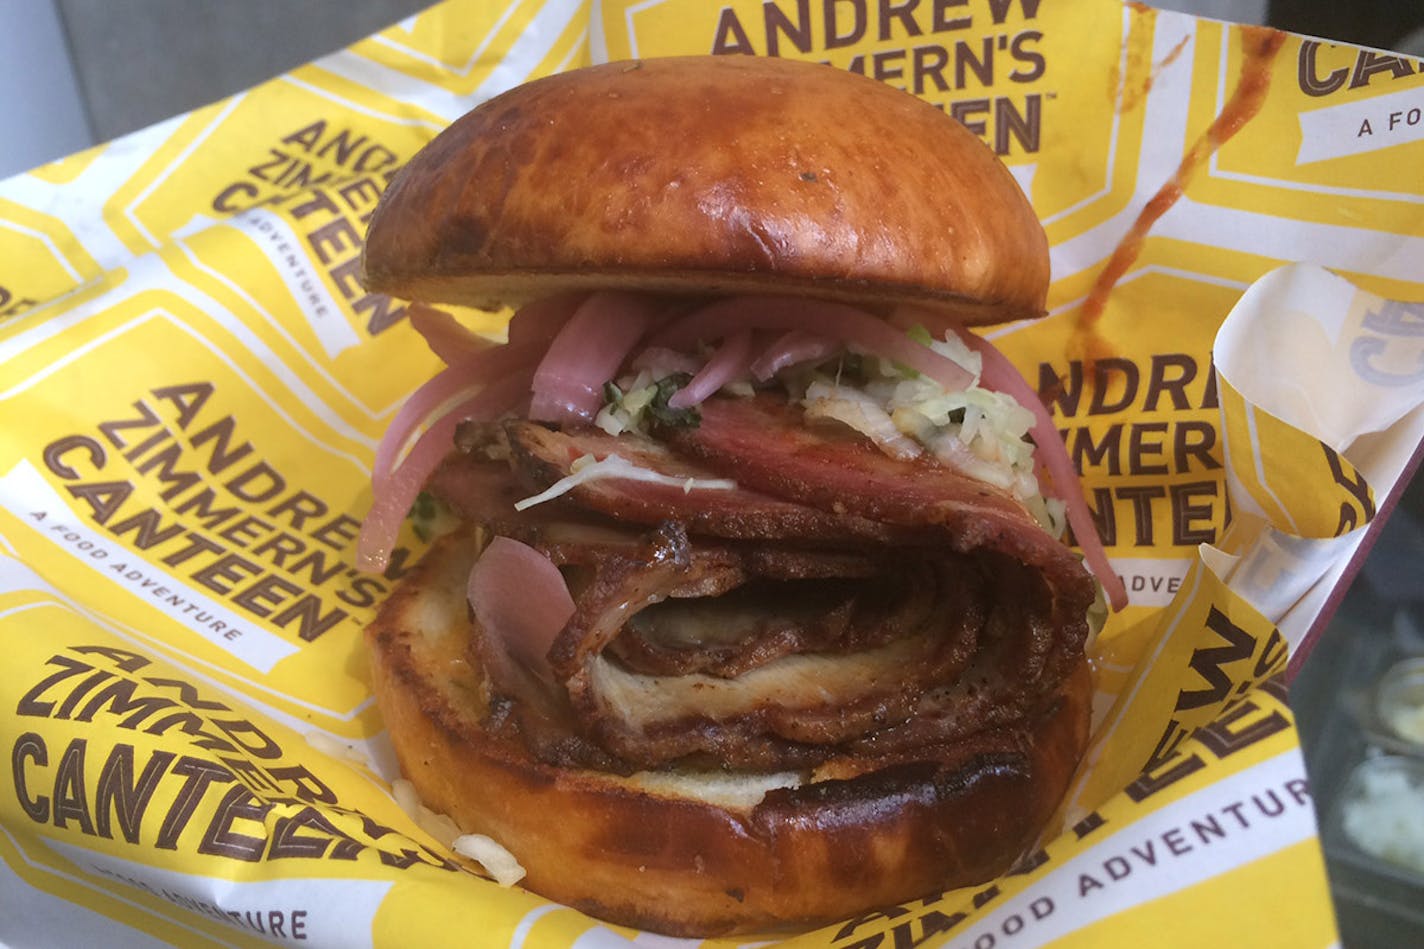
{"type": "Point", "coordinates": [711, 175]}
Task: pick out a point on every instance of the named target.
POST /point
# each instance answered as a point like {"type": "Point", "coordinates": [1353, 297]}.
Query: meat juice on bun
{"type": "Point", "coordinates": [759, 613]}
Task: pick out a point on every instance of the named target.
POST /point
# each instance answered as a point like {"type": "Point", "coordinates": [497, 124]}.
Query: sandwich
{"type": "Point", "coordinates": [757, 609]}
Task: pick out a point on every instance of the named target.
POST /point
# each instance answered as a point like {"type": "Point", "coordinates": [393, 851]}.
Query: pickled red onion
{"type": "Point", "coordinates": [791, 349]}
{"type": "Point", "coordinates": [458, 379]}
{"type": "Point", "coordinates": [393, 496]}
{"type": "Point", "coordinates": [568, 385]}
{"type": "Point", "coordinates": [835, 320]}
{"type": "Point", "coordinates": [1000, 374]}
{"type": "Point", "coordinates": [728, 363]}
{"type": "Point", "coordinates": [541, 320]}
{"type": "Point", "coordinates": [445, 335]}
{"type": "Point", "coordinates": [520, 599]}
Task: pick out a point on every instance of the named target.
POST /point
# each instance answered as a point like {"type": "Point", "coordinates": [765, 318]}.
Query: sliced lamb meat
{"type": "Point", "coordinates": [736, 656]}
{"type": "Point", "coordinates": [770, 448]}
{"type": "Point", "coordinates": [782, 624]}
{"type": "Point", "coordinates": [767, 618]}
{"type": "Point", "coordinates": [717, 652]}
{"type": "Point", "coordinates": [767, 446]}
{"type": "Point", "coordinates": [543, 456]}
{"type": "Point", "coordinates": [483, 492]}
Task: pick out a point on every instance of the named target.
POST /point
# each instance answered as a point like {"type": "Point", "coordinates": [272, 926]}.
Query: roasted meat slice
{"type": "Point", "coordinates": [749, 631]}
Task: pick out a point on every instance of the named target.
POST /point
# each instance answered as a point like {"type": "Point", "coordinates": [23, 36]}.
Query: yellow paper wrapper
{"type": "Point", "coordinates": [192, 385]}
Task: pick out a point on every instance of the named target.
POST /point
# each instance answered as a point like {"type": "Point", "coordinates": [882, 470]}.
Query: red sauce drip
{"type": "Point", "coordinates": [1167, 60]}
{"type": "Point", "coordinates": [1124, 98]}
{"type": "Point", "coordinates": [1259, 46]}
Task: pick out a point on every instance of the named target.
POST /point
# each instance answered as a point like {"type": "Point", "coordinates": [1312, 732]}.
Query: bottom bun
{"type": "Point", "coordinates": [708, 853]}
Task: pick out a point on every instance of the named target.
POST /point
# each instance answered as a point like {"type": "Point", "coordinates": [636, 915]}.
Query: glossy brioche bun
{"type": "Point", "coordinates": [711, 175]}
{"type": "Point", "coordinates": [689, 854]}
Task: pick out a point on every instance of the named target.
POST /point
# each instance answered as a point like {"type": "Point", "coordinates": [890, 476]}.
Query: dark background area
{"type": "Point", "coordinates": [1381, 23]}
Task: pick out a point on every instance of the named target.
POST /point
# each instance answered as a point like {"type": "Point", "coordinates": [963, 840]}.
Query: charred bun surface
{"type": "Point", "coordinates": [711, 175]}
{"type": "Point", "coordinates": [691, 854]}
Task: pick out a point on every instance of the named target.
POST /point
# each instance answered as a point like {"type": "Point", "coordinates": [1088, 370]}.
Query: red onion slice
{"type": "Point", "coordinates": [835, 320]}
{"type": "Point", "coordinates": [1000, 374]}
{"type": "Point", "coordinates": [568, 385]}
{"type": "Point", "coordinates": [542, 320]}
{"type": "Point", "coordinates": [392, 497]}
{"type": "Point", "coordinates": [792, 348]}
{"type": "Point", "coordinates": [459, 379]}
{"type": "Point", "coordinates": [445, 335]}
{"type": "Point", "coordinates": [530, 330]}
{"type": "Point", "coordinates": [728, 363]}
{"type": "Point", "coordinates": [520, 599]}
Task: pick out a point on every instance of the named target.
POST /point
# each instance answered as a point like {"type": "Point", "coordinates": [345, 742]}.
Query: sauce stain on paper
{"type": "Point", "coordinates": [1169, 59]}
{"type": "Point", "coordinates": [1126, 97]}
{"type": "Point", "coordinates": [1259, 46]}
